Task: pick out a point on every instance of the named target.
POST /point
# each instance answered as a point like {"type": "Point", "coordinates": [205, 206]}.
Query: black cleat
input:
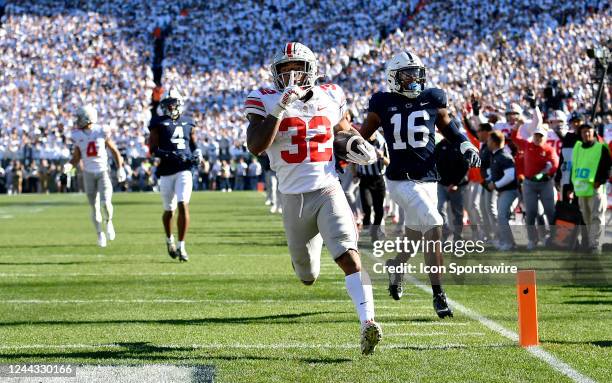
{"type": "Point", "coordinates": [172, 250]}
{"type": "Point", "coordinates": [441, 306]}
{"type": "Point", "coordinates": [182, 255]}
{"type": "Point", "coordinates": [395, 280]}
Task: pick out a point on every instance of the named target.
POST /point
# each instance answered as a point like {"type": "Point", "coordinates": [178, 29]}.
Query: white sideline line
{"type": "Point", "coordinates": [400, 307]}
{"type": "Point", "coordinates": [148, 255]}
{"type": "Point", "coordinates": [450, 324]}
{"type": "Point", "coordinates": [220, 301]}
{"type": "Point", "coordinates": [255, 346]}
{"type": "Point", "coordinates": [445, 334]}
{"type": "Point", "coordinates": [536, 351]}
{"type": "Point", "coordinates": [215, 274]}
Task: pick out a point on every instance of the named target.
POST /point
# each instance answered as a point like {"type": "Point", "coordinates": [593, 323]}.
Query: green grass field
{"type": "Point", "coordinates": [237, 305]}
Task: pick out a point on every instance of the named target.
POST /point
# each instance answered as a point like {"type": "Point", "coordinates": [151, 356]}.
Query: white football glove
{"type": "Point", "coordinates": [365, 153]}
{"type": "Point", "coordinates": [291, 94]}
{"type": "Point", "coordinates": [67, 167]}
{"type": "Point", "coordinates": [470, 153]}
{"type": "Point", "coordinates": [121, 176]}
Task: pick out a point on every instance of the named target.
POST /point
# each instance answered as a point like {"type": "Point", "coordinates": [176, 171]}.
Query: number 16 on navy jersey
{"type": "Point", "coordinates": [409, 129]}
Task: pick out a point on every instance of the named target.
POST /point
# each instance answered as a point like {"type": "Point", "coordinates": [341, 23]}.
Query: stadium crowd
{"type": "Point", "coordinates": [58, 55]}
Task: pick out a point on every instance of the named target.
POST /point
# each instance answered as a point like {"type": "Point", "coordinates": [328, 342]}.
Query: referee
{"type": "Point", "coordinates": [372, 186]}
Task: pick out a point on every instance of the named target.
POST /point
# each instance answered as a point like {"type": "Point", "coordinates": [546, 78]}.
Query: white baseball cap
{"type": "Point", "coordinates": [542, 129]}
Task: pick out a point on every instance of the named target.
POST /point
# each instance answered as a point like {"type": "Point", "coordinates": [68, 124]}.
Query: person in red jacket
{"type": "Point", "coordinates": [540, 163]}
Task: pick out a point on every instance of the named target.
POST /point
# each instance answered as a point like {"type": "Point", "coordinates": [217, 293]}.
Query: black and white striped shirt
{"type": "Point", "coordinates": [378, 167]}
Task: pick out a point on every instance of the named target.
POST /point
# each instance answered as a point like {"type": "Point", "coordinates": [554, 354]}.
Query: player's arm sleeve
{"type": "Point", "coordinates": [372, 121]}
{"type": "Point", "coordinates": [192, 138]}
{"type": "Point", "coordinates": [449, 127]}
{"type": "Point", "coordinates": [153, 139]}
{"type": "Point", "coordinates": [254, 105]}
{"type": "Point", "coordinates": [452, 131]}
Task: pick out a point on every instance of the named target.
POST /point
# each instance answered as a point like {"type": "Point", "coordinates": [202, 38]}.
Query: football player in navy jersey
{"type": "Point", "coordinates": [172, 139]}
{"type": "Point", "coordinates": [409, 114]}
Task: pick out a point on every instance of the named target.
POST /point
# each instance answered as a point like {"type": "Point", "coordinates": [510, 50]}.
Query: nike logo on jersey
{"type": "Point", "coordinates": [321, 108]}
{"type": "Point", "coordinates": [424, 103]}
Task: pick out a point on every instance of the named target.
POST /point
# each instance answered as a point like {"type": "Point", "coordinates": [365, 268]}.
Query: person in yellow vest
{"type": "Point", "coordinates": [590, 169]}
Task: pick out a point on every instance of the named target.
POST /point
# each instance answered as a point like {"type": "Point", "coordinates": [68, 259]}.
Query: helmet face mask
{"type": "Point", "coordinates": [406, 75]}
{"type": "Point", "coordinates": [300, 60]}
{"type": "Point", "coordinates": [300, 74]}
{"type": "Point", "coordinates": [172, 104]}
{"type": "Point", "coordinates": [410, 79]}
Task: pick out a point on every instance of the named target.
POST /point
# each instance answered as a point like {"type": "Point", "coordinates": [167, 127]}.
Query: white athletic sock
{"type": "Point", "coordinates": [359, 288]}
{"type": "Point", "coordinates": [181, 245]}
{"type": "Point", "coordinates": [170, 239]}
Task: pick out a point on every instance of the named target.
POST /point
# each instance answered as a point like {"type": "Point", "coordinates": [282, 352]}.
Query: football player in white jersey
{"type": "Point", "coordinates": [90, 144]}
{"type": "Point", "coordinates": [295, 125]}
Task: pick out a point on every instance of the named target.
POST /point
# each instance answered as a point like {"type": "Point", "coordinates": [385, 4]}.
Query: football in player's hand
{"type": "Point", "coordinates": [341, 140]}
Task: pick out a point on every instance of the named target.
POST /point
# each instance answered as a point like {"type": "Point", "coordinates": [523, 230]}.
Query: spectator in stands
{"type": "Point", "coordinates": [590, 170]}
{"type": "Point", "coordinates": [3, 188]}
{"type": "Point", "coordinates": [241, 172]}
{"type": "Point", "coordinates": [203, 171]}
{"type": "Point", "coordinates": [540, 164]}
{"type": "Point", "coordinates": [18, 174]}
{"type": "Point", "coordinates": [106, 59]}
{"type": "Point", "coordinates": [473, 190]}
{"type": "Point", "coordinates": [254, 172]}
{"type": "Point", "coordinates": [453, 179]}
{"type": "Point", "coordinates": [32, 178]}
{"type": "Point", "coordinates": [568, 137]}
{"type": "Point", "coordinates": [214, 175]}
{"type": "Point", "coordinates": [502, 180]}
{"type": "Point", "coordinates": [488, 198]}
{"type": "Point", "coordinates": [224, 175]}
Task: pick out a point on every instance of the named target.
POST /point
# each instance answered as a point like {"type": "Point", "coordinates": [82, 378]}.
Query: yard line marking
{"type": "Point", "coordinates": [220, 301]}
{"type": "Point", "coordinates": [451, 324]}
{"type": "Point", "coordinates": [536, 351]}
{"type": "Point", "coordinates": [417, 334]}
